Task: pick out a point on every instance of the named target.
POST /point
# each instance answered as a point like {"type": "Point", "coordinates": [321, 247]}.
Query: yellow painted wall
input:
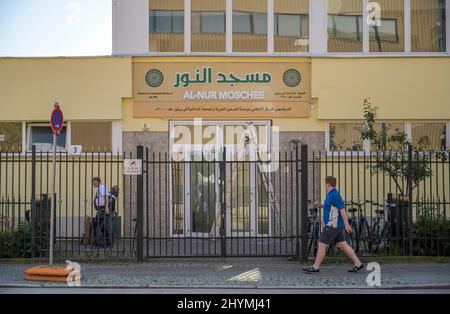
{"type": "Point", "coordinates": [101, 88]}
{"type": "Point", "coordinates": [87, 88]}
{"type": "Point", "coordinates": [402, 88]}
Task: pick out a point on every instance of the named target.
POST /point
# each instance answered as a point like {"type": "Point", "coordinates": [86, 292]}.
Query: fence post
{"type": "Point", "coordinates": [295, 144]}
{"type": "Point", "coordinates": [223, 204]}
{"type": "Point", "coordinates": [33, 201]}
{"type": "Point", "coordinates": [304, 201]}
{"type": "Point", "coordinates": [140, 208]}
{"type": "Point", "coordinates": [410, 202]}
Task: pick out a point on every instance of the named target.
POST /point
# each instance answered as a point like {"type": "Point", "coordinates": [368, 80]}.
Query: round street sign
{"type": "Point", "coordinates": [57, 119]}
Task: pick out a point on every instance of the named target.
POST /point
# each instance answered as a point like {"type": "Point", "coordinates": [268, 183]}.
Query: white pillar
{"type": "Point", "coordinates": [447, 21]}
{"type": "Point", "coordinates": [187, 26]}
{"type": "Point", "coordinates": [130, 27]}
{"type": "Point", "coordinates": [365, 27]}
{"type": "Point", "coordinates": [270, 25]}
{"type": "Point", "coordinates": [318, 26]}
{"type": "Point", "coordinates": [229, 26]}
{"type": "Point", "coordinates": [407, 31]}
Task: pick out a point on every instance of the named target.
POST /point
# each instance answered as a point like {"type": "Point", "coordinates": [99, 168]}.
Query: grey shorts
{"type": "Point", "coordinates": [332, 235]}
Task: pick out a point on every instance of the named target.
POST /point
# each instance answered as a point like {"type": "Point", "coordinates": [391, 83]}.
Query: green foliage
{"type": "Point", "coordinates": [431, 232]}
{"type": "Point", "coordinates": [12, 132]}
{"type": "Point", "coordinates": [18, 243]}
{"type": "Point", "coordinates": [391, 155]}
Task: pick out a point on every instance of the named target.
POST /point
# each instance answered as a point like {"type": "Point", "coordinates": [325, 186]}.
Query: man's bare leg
{"type": "Point", "coordinates": [349, 252]}
{"type": "Point", "coordinates": [321, 252]}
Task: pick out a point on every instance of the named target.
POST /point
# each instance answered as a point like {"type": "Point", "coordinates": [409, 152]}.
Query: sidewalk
{"type": "Point", "coordinates": [241, 273]}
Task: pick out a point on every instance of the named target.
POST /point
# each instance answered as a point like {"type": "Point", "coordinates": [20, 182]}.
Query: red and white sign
{"type": "Point", "coordinates": [57, 119]}
{"type": "Point", "coordinates": [132, 167]}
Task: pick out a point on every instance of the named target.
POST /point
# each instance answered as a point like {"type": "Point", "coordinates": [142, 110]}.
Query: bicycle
{"type": "Point", "coordinates": [361, 231]}
{"type": "Point", "coordinates": [313, 230]}
{"type": "Point", "coordinates": [381, 226]}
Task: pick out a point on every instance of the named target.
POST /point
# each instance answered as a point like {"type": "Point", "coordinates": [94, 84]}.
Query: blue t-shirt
{"type": "Point", "coordinates": [332, 210]}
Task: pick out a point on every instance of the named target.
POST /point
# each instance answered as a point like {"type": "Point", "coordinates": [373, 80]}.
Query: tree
{"type": "Point", "coordinates": [394, 154]}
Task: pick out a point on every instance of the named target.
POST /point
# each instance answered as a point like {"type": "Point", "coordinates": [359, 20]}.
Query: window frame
{"type": "Point", "coordinates": [366, 144]}
{"type": "Point", "coordinates": [276, 18]}
{"type": "Point", "coordinates": [318, 42]}
{"type": "Point", "coordinates": [30, 125]}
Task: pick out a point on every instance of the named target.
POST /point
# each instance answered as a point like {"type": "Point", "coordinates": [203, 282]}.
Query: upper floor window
{"type": "Point", "coordinates": [428, 25]}
{"type": "Point", "coordinates": [388, 35]}
{"type": "Point", "coordinates": [249, 26]}
{"type": "Point", "coordinates": [166, 21]}
{"type": "Point", "coordinates": [208, 25]}
{"type": "Point", "coordinates": [291, 26]}
{"type": "Point", "coordinates": [345, 20]}
{"type": "Point", "coordinates": [345, 29]}
{"type": "Point", "coordinates": [166, 26]}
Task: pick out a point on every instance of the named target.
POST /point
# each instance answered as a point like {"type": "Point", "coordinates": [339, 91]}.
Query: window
{"type": "Point", "coordinates": [208, 26]}
{"type": "Point", "coordinates": [430, 135]}
{"type": "Point", "coordinates": [428, 25]}
{"type": "Point", "coordinates": [166, 21]}
{"type": "Point", "coordinates": [92, 136]}
{"type": "Point", "coordinates": [10, 136]}
{"type": "Point", "coordinates": [249, 26]}
{"type": "Point", "coordinates": [389, 35]}
{"type": "Point", "coordinates": [345, 137]}
{"type": "Point", "coordinates": [41, 135]}
{"type": "Point", "coordinates": [386, 130]}
{"type": "Point", "coordinates": [166, 26]}
{"type": "Point", "coordinates": [345, 31]}
{"type": "Point", "coordinates": [424, 135]}
{"type": "Point", "coordinates": [291, 26]}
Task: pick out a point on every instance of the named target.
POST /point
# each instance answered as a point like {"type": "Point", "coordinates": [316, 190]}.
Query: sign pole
{"type": "Point", "coordinates": [52, 207]}
{"type": "Point", "coordinates": [56, 123]}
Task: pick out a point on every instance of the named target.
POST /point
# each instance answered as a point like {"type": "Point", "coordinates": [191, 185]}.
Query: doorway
{"type": "Point", "coordinates": [199, 149]}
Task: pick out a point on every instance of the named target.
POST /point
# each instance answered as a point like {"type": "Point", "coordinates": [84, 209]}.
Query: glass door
{"type": "Point", "coordinates": [202, 191]}
{"type": "Point", "coordinates": [241, 194]}
{"type": "Point", "coordinates": [196, 210]}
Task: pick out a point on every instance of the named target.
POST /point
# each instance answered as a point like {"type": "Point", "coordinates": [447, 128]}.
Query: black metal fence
{"type": "Point", "coordinates": [223, 204]}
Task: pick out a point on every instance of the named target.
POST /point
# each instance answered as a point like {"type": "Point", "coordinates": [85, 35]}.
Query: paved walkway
{"type": "Point", "coordinates": [237, 274]}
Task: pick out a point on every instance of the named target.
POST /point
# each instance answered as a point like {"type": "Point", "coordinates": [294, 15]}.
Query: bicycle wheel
{"type": "Point", "coordinates": [313, 231]}
{"type": "Point", "coordinates": [353, 239]}
{"type": "Point", "coordinates": [376, 236]}
{"type": "Point", "coordinates": [365, 236]}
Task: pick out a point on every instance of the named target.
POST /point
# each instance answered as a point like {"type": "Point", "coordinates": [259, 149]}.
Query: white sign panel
{"type": "Point", "coordinates": [2, 137]}
{"type": "Point", "coordinates": [132, 167]}
{"type": "Point", "coordinates": [75, 150]}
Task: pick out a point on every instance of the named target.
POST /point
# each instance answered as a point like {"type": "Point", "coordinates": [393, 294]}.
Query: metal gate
{"type": "Point", "coordinates": [218, 204]}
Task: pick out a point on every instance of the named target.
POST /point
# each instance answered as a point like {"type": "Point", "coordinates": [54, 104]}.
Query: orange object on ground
{"type": "Point", "coordinates": [52, 274]}
{"type": "Point", "coordinates": [47, 278]}
{"type": "Point", "coordinates": [49, 271]}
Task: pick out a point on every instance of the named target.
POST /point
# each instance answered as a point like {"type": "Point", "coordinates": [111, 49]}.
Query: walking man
{"type": "Point", "coordinates": [336, 223]}
{"type": "Point", "coordinates": [100, 202]}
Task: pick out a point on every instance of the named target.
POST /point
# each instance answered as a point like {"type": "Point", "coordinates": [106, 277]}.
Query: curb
{"type": "Point", "coordinates": [46, 286]}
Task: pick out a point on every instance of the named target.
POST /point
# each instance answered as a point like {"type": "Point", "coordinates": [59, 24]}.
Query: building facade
{"type": "Point", "coordinates": [300, 67]}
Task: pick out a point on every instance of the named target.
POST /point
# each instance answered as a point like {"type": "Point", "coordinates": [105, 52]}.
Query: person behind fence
{"type": "Point", "coordinates": [336, 223]}
{"type": "Point", "coordinates": [111, 217]}
{"type": "Point", "coordinates": [98, 223]}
